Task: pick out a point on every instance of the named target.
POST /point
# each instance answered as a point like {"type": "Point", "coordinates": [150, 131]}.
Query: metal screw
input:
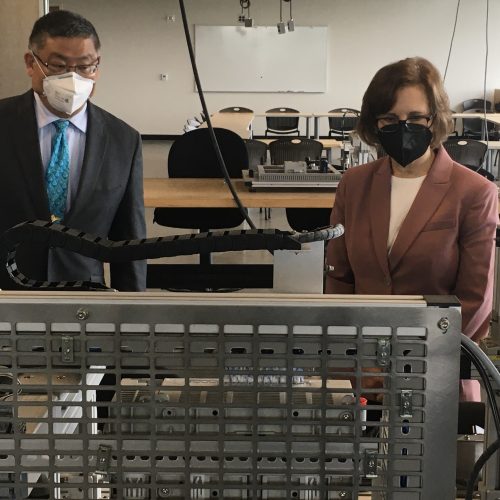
{"type": "Point", "coordinates": [165, 491]}
{"type": "Point", "coordinates": [444, 324]}
{"type": "Point", "coordinates": [346, 416]}
{"type": "Point", "coordinates": [342, 494]}
{"type": "Point", "coordinates": [82, 314]}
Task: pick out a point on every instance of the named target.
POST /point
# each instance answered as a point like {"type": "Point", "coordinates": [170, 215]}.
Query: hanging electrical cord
{"type": "Point", "coordinates": [451, 42]}
{"type": "Point", "coordinates": [291, 22]}
{"type": "Point", "coordinates": [245, 18]}
{"type": "Point", "coordinates": [485, 123]}
{"type": "Point", "coordinates": [213, 138]}
{"type": "Point", "coordinates": [241, 17]}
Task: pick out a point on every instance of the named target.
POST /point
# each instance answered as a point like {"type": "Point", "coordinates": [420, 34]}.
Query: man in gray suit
{"type": "Point", "coordinates": [64, 159]}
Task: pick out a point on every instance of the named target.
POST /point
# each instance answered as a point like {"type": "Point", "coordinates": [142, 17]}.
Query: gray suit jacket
{"type": "Point", "coordinates": [109, 201]}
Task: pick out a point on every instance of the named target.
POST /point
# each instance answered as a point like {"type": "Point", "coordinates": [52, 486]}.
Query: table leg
{"type": "Point", "coordinates": [316, 127]}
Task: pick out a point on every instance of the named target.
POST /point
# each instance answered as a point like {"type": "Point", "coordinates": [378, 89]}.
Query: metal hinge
{"type": "Point", "coordinates": [406, 404]}
{"type": "Point", "coordinates": [370, 463]}
{"type": "Point", "coordinates": [383, 352]}
{"type": "Point", "coordinates": [103, 459]}
{"type": "Point", "coordinates": [67, 349]}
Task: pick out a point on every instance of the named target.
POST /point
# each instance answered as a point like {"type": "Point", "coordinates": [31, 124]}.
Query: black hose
{"type": "Point", "coordinates": [211, 132]}
{"type": "Point", "coordinates": [486, 455]}
{"type": "Point", "coordinates": [487, 385]}
{"type": "Point", "coordinates": [476, 361]}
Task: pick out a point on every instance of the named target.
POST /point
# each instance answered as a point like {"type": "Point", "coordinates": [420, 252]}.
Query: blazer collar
{"type": "Point", "coordinates": [379, 210]}
{"type": "Point", "coordinates": [430, 195]}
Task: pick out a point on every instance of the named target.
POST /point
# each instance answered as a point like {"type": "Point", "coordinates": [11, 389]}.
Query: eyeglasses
{"type": "Point", "coordinates": [415, 123]}
{"type": "Point", "coordinates": [81, 69]}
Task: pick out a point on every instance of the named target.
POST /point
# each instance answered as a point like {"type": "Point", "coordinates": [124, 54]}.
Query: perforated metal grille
{"type": "Point", "coordinates": [202, 397]}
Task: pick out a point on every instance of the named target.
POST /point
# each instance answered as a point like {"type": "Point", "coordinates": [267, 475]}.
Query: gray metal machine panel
{"type": "Point", "coordinates": [227, 396]}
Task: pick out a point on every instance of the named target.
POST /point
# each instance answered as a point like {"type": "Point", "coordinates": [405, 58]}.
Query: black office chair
{"type": "Point", "coordinates": [294, 149]}
{"type": "Point", "coordinates": [257, 152]}
{"type": "Point", "coordinates": [282, 125]}
{"type": "Point", "coordinates": [298, 149]}
{"type": "Point", "coordinates": [192, 155]}
{"type": "Point", "coordinates": [341, 126]}
{"type": "Point", "coordinates": [474, 128]}
{"type": "Point", "coordinates": [236, 109]}
{"type": "Point", "coordinates": [469, 153]}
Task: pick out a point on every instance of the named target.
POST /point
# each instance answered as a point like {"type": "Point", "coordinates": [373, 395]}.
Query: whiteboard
{"type": "Point", "coordinates": [239, 59]}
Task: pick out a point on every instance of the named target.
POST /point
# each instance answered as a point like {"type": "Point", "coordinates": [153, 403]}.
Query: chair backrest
{"type": "Point", "coordinates": [467, 152]}
{"type": "Point", "coordinates": [193, 155]}
{"type": "Point", "coordinates": [296, 149]}
{"type": "Point", "coordinates": [236, 109]}
{"type": "Point", "coordinates": [257, 152]}
{"type": "Point", "coordinates": [282, 124]}
{"type": "Point", "coordinates": [473, 127]}
{"type": "Point", "coordinates": [347, 122]}
{"type": "Point", "coordinates": [476, 105]}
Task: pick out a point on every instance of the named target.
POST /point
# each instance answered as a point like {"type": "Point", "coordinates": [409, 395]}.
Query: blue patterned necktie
{"type": "Point", "coordinates": [57, 174]}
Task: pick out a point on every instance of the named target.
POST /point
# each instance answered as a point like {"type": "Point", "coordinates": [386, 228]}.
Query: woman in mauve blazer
{"type": "Point", "coordinates": [445, 243]}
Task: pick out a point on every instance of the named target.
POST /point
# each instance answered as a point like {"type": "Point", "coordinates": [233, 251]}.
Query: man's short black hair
{"type": "Point", "coordinates": [65, 24]}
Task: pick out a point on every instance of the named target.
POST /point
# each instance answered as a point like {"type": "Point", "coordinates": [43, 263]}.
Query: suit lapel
{"type": "Point", "coordinates": [95, 148]}
{"type": "Point", "coordinates": [379, 211]}
{"type": "Point", "coordinates": [27, 145]}
{"type": "Point", "coordinates": [428, 198]}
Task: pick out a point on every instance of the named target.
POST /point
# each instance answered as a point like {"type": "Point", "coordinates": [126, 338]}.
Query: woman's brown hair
{"type": "Point", "coordinates": [380, 97]}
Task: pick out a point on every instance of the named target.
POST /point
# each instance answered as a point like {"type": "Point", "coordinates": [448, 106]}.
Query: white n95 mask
{"type": "Point", "coordinates": [67, 92]}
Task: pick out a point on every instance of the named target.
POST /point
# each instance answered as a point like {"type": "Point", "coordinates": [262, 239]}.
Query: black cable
{"type": "Point", "coordinates": [451, 42]}
{"type": "Point", "coordinates": [472, 356]}
{"type": "Point", "coordinates": [485, 456]}
{"type": "Point", "coordinates": [213, 138]}
{"type": "Point", "coordinates": [485, 123]}
{"type": "Point", "coordinates": [50, 235]}
{"type": "Point", "coordinates": [281, 11]}
{"type": "Point", "coordinates": [487, 385]}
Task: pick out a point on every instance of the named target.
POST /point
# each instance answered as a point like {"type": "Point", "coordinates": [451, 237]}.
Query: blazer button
{"type": "Point", "coordinates": [387, 280]}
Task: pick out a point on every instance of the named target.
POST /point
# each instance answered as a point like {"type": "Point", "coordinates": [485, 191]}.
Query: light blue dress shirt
{"type": "Point", "coordinates": [76, 141]}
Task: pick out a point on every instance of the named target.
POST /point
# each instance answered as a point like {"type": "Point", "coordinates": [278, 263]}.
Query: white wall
{"type": "Point", "coordinates": [16, 20]}
{"type": "Point", "coordinates": [139, 44]}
